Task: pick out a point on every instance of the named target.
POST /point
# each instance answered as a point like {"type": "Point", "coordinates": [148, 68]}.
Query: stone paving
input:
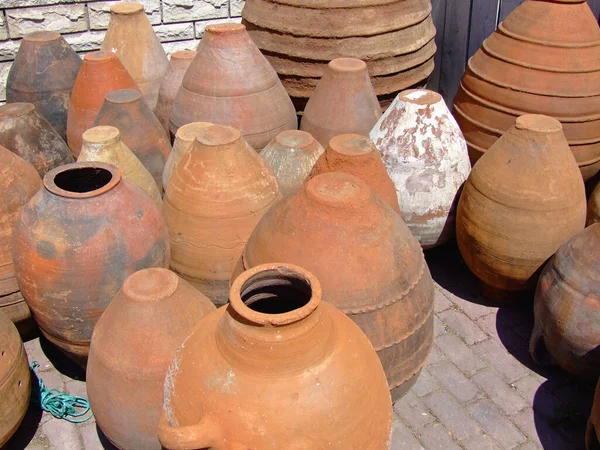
{"type": "Point", "coordinates": [480, 389]}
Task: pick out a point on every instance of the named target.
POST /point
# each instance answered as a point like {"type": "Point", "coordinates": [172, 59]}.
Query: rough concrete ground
{"type": "Point", "coordinates": [480, 389]}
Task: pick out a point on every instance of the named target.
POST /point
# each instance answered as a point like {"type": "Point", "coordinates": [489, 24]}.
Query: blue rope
{"type": "Point", "coordinates": [60, 404]}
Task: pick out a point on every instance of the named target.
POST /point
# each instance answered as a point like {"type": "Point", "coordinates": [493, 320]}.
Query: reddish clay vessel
{"type": "Point", "coordinates": [74, 244]}
{"type": "Point", "coordinates": [592, 441]}
{"type": "Point", "coordinates": [302, 360]}
{"type": "Point", "coordinates": [147, 321]}
{"type": "Point", "coordinates": [593, 211]}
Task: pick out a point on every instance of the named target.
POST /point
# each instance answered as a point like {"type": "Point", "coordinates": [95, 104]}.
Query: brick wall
{"type": "Point", "coordinates": [179, 24]}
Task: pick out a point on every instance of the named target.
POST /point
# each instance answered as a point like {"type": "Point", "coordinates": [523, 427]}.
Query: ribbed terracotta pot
{"type": "Point", "coordinates": [543, 59]}
{"type": "Point", "coordinates": [74, 244]}
{"type": "Point", "coordinates": [214, 199]}
{"type": "Point", "coordinates": [104, 144]}
{"type": "Point", "coordinates": [26, 133]}
{"type": "Point", "coordinates": [523, 199]}
{"type": "Point", "coordinates": [231, 83]}
{"type": "Point", "coordinates": [370, 266]}
{"type": "Point", "coordinates": [302, 360]}
{"type": "Point", "coordinates": [426, 155]}
{"type": "Point", "coordinates": [357, 155]}
{"type": "Point", "coordinates": [140, 130]}
{"type": "Point", "coordinates": [170, 84]}
{"type": "Point", "coordinates": [592, 441]}
{"type": "Point", "coordinates": [100, 73]}
{"type": "Point", "coordinates": [133, 39]}
{"type": "Point", "coordinates": [147, 321]}
{"type": "Point", "coordinates": [593, 211]}
{"type": "Point", "coordinates": [43, 73]}
{"type": "Point", "coordinates": [343, 102]}
{"type": "Point", "coordinates": [15, 381]}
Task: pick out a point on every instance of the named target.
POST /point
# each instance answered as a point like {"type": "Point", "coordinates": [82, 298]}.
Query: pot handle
{"type": "Point", "coordinates": [205, 434]}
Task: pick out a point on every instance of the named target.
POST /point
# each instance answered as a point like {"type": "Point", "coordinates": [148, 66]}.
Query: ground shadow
{"type": "Point", "coordinates": [104, 440]}
{"type": "Point", "coordinates": [26, 431]}
{"type": "Point", "coordinates": [61, 362]}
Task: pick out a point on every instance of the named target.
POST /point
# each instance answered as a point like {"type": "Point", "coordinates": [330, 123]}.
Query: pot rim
{"type": "Point", "coordinates": [50, 185]}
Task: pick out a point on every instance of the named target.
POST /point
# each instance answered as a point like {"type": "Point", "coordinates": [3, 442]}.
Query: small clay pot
{"type": "Point", "coordinates": [147, 321]}
{"type": "Point", "coordinates": [100, 73]}
{"type": "Point", "coordinates": [302, 360]}
{"type": "Point", "coordinates": [343, 102]}
{"type": "Point", "coordinates": [357, 155]}
{"type": "Point", "coordinates": [593, 209]}
{"type": "Point", "coordinates": [26, 133]}
{"type": "Point", "coordinates": [43, 73]}
{"type": "Point", "coordinates": [74, 244]}
{"type": "Point", "coordinates": [592, 441]}
{"type": "Point", "coordinates": [104, 144]}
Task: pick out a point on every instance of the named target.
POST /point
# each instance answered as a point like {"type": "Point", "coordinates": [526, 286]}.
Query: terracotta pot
{"type": "Point", "coordinates": [370, 265]}
{"type": "Point", "coordinates": [15, 381]}
{"type": "Point", "coordinates": [592, 441]}
{"type": "Point", "coordinates": [104, 144]}
{"type": "Point", "coordinates": [147, 320]}
{"type": "Point", "coordinates": [343, 102]}
{"type": "Point", "coordinates": [214, 199]}
{"type": "Point", "coordinates": [43, 73]}
{"type": "Point", "coordinates": [593, 211]}
{"type": "Point", "coordinates": [140, 129]}
{"type": "Point", "coordinates": [426, 156]}
{"type": "Point", "coordinates": [524, 198]}
{"type": "Point", "coordinates": [170, 84]}
{"type": "Point", "coordinates": [231, 83]}
{"type": "Point", "coordinates": [357, 155]}
{"type": "Point", "coordinates": [74, 244]}
{"type": "Point", "coordinates": [543, 59]}
{"type": "Point", "coordinates": [26, 133]}
{"type": "Point", "coordinates": [302, 360]}
{"type": "Point", "coordinates": [292, 155]}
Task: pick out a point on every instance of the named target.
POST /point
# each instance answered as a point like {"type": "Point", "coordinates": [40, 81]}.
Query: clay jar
{"type": "Point", "coordinates": [231, 83]}
{"type": "Point", "coordinates": [215, 197]}
{"type": "Point", "coordinates": [592, 442]}
{"type": "Point", "coordinates": [292, 155]}
{"type": "Point", "coordinates": [357, 155]}
{"type": "Point", "coordinates": [370, 266]}
{"type": "Point", "coordinates": [133, 39]}
{"type": "Point", "coordinates": [302, 360]}
{"type": "Point", "coordinates": [74, 244]}
{"type": "Point", "coordinates": [15, 381]}
{"type": "Point", "coordinates": [147, 321]}
{"type": "Point", "coordinates": [43, 73]}
{"type": "Point", "coordinates": [26, 133]}
{"type": "Point", "coordinates": [343, 102]}
{"type": "Point", "coordinates": [100, 73]}
{"type": "Point", "coordinates": [170, 84]}
{"type": "Point", "coordinates": [593, 211]}
{"type": "Point", "coordinates": [104, 144]}
{"type": "Point", "coordinates": [426, 156]}
{"type": "Point", "coordinates": [523, 199]}
{"type": "Point", "coordinates": [140, 129]}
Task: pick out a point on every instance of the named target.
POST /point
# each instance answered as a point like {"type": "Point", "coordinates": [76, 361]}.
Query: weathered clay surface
{"type": "Point", "coordinates": [593, 211]}
{"type": "Point", "coordinates": [592, 439]}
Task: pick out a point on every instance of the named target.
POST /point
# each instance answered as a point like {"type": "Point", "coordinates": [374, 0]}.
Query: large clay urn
{"type": "Point", "coordinates": [357, 155]}
{"type": "Point", "coordinates": [214, 199]}
{"type": "Point", "coordinates": [231, 83]}
{"type": "Point", "coordinates": [543, 59]}
{"type": "Point", "coordinates": [133, 39]}
{"type": "Point", "coordinates": [592, 441]}
{"type": "Point", "coordinates": [26, 133]}
{"type": "Point", "coordinates": [43, 73]}
{"type": "Point", "coordinates": [523, 199]}
{"type": "Point", "coordinates": [344, 102]}
{"type": "Point", "coordinates": [370, 265]}
{"type": "Point", "coordinates": [15, 381]}
{"type": "Point", "coordinates": [277, 368]}
{"type": "Point", "coordinates": [100, 73]}
{"type": "Point", "coordinates": [147, 321]}
{"type": "Point", "coordinates": [74, 244]}
{"type": "Point", "coordinates": [593, 211]}
{"type": "Point", "coordinates": [426, 156]}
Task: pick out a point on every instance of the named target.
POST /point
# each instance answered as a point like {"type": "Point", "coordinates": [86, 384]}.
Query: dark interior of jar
{"type": "Point", "coordinates": [275, 292]}
{"type": "Point", "coordinates": [82, 179]}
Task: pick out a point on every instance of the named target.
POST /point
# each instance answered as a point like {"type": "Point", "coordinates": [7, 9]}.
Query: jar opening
{"type": "Point", "coordinates": [272, 292]}
{"type": "Point", "coordinates": [84, 179]}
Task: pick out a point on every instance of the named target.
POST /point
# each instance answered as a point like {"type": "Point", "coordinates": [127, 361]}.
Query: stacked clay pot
{"type": "Point", "coordinates": [231, 83]}
{"type": "Point", "coordinates": [543, 59]}
{"type": "Point", "coordinates": [370, 266]}
{"type": "Point", "coordinates": [214, 199]}
{"type": "Point", "coordinates": [523, 199]}
{"type": "Point", "coordinates": [426, 156]}
{"type": "Point", "coordinates": [395, 38]}
{"type": "Point", "coordinates": [74, 244]}
{"type": "Point", "coordinates": [567, 307]}
{"type": "Point", "coordinates": [43, 73]}
{"type": "Point", "coordinates": [147, 321]}
{"type": "Point", "coordinates": [592, 441]}
{"type": "Point", "coordinates": [593, 211]}
{"type": "Point", "coordinates": [307, 377]}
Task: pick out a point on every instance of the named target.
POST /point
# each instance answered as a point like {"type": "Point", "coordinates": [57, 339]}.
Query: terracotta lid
{"type": "Point", "coordinates": [102, 135]}
{"type": "Point", "coordinates": [150, 285]}
{"type": "Point", "coordinates": [99, 56]}
{"type": "Point", "coordinates": [347, 65]}
{"type": "Point", "coordinates": [226, 28]}
{"type": "Point", "coordinates": [420, 97]}
{"type": "Point", "coordinates": [352, 144]}
{"type": "Point", "coordinates": [294, 139]}
{"type": "Point", "coordinates": [123, 96]}
{"type": "Point", "coordinates": [16, 109]}
{"type": "Point", "coordinates": [184, 54]}
{"type": "Point", "coordinates": [42, 36]}
{"type": "Point", "coordinates": [216, 135]}
{"type": "Point", "coordinates": [538, 123]}
{"type": "Point", "coordinates": [338, 189]}
{"type": "Point", "coordinates": [126, 8]}
{"type": "Point", "coordinates": [190, 131]}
